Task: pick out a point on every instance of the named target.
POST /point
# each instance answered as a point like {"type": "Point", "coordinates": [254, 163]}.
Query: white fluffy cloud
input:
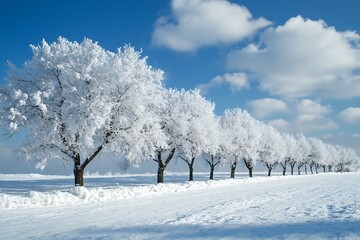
{"type": "Point", "coordinates": [197, 23]}
{"type": "Point", "coordinates": [307, 106]}
{"type": "Point", "coordinates": [314, 122]}
{"type": "Point", "coordinates": [351, 115]}
{"type": "Point", "coordinates": [305, 116]}
{"type": "Point", "coordinates": [356, 135]}
{"type": "Point", "coordinates": [237, 81]}
{"type": "Point", "coordinates": [303, 58]}
{"type": "Point", "coordinates": [313, 116]}
{"type": "Point", "coordinates": [281, 125]}
{"type": "Point", "coordinates": [267, 106]}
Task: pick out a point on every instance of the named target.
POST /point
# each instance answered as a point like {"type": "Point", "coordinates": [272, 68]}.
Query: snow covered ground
{"type": "Point", "coordinates": [323, 206]}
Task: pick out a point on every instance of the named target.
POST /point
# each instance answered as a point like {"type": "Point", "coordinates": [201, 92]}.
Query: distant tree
{"type": "Point", "coordinates": [196, 124]}
{"type": "Point", "coordinates": [289, 152]}
{"type": "Point", "coordinates": [212, 161]}
{"type": "Point", "coordinates": [272, 147]}
{"type": "Point", "coordinates": [171, 114]}
{"type": "Point", "coordinates": [229, 142]}
{"type": "Point", "coordinates": [303, 151]}
{"type": "Point", "coordinates": [77, 100]}
{"type": "Point", "coordinates": [245, 136]}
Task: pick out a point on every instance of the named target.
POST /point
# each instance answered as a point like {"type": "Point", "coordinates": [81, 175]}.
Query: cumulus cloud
{"type": "Point", "coordinates": [351, 115]}
{"type": "Point", "coordinates": [303, 58]}
{"type": "Point", "coordinates": [267, 106]}
{"type": "Point", "coordinates": [356, 135]}
{"type": "Point", "coordinates": [237, 82]}
{"type": "Point", "coordinates": [197, 23]}
{"type": "Point", "coordinates": [305, 116]}
{"type": "Point", "coordinates": [308, 122]}
{"type": "Point", "coordinates": [280, 124]}
{"type": "Point", "coordinates": [312, 116]}
{"type": "Point", "coordinates": [307, 106]}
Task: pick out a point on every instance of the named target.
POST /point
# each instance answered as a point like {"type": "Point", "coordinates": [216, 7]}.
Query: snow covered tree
{"type": "Point", "coordinates": [229, 141]}
{"type": "Point", "coordinates": [245, 136]}
{"type": "Point", "coordinates": [215, 150]}
{"type": "Point", "coordinates": [289, 152]}
{"type": "Point", "coordinates": [176, 119]}
{"type": "Point", "coordinates": [271, 147]}
{"type": "Point", "coordinates": [76, 100]}
{"type": "Point", "coordinates": [317, 153]}
{"type": "Point", "coordinates": [303, 151]}
{"type": "Point", "coordinates": [197, 124]}
{"type": "Point", "coordinates": [169, 113]}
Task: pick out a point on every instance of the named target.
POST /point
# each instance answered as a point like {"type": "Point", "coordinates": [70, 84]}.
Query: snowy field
{"type": "Point", "coordinates": [323, 206]}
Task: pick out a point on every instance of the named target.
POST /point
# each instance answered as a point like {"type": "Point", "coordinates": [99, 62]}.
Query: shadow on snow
{"type": "Point", "coordinates": [308, 230]}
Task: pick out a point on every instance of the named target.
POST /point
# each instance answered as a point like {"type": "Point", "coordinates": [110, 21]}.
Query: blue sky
{"type": "Point", "coordinates": [294, 64]}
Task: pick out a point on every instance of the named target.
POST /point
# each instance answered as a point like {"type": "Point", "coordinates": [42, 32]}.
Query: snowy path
{"type": "Point", "coordinates": [325, 206]}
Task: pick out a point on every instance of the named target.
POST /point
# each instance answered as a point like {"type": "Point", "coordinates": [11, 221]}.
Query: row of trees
{"type": "Point", "coordinates": [77, 100]}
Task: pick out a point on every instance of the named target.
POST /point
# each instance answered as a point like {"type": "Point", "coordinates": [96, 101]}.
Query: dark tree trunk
{"type": "Point", "coordinates": [191, 174]}
{"type": "Point", "coordinates": [269, 166]}
{"type": "Point", "coordinates": [250, 171]}
{"type": "Point", "coordinates": [330, 168]}
{"type": "Point", "coordinates": [316, 168]}
{"type": "Point", "coordinates": [305, 168]}
{"type": "Point", "coordinates": [233, 168]}
{"type": "Point", "coordinates": [79, 177]}
{"type": "Point", "coordinates": [78, 171]}
{"type": "Point", "coordinates": [191, 169]}
{"type": "Point", "coordinates": [212, 168]}
{"type": "Point", "coordinates": [249, 166]}
{"type": "Point", "coordinates": [79, 168]}
{"type": "Point", "coordinates": [340, 168]}
{"type": "Point", "coordinates": [299, 165]}
{"type": "Point", "coordinates": [324, 168]}
{"type": "Point", "coordinates": [284, 168]}
{"type": "Point", "coordinates": [160, 174]}
{"type": "Point", "coordinates": [212, 163]}
{"type": "Point", "coordinates": [311, 168]}
{"type": "Point", "coordinates": [161, 165]}
{"type": "Point", "coordinates": [292, 168]}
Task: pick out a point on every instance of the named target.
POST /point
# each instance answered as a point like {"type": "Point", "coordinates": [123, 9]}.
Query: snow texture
{"type": "Point", "coordinates": [321, 206]}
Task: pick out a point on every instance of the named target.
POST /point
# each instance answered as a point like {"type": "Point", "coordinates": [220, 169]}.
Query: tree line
{"type": "Point", "coordinates": [78, 100]}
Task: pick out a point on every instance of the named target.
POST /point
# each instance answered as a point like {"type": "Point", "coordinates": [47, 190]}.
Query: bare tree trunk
{"type": "Point", "coordinates": [292, 168]}
{"type": "Point", "coordinates": [212, 163]}
{"type": "Point", "coordinates": [311, 168]}
{"type": "Point", "coordinates": [211, 173]}
{"type": "Point", "coordinates": [316, 168]}
{"type": "Point", "coordinates": [324, 168]}
{"type": "Point", "coordinates": [305, 168]}
{"type": "Point", "coordinates": [79, 177]}
{"type": "Point", "coordinates": [160, 174]}
{"type": "Point", "coordinates": [329, 168]}
{"type": "Point", "coordinates": [269, 166]}
{"type": "Point", "coordinates": [191, 174]}
{"type": "Point", "coordinates": [233, 168]}
{"type": "Point", "coordinates": [250, 171]}
{"type": "Point", "coordinates": [249, 166]}
{"type": "Point", "coordinates": [161, 165]}
{"type": "Point", "coordinates": [299, 165]}
{"type": "Point", "coordinates": [78, 171]}
{"type": "Point", "coordinates": [191, 169]}
{"type": "Point", "coordinates": [284, 168]}
{"type": "Point", "coordinates": [340, 168]}
{"type": "Point", "coordinates": [79, 168]}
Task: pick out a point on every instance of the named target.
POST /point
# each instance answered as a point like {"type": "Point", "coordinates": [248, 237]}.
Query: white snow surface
{"type": "Point", "coordinates": [322, 206]}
